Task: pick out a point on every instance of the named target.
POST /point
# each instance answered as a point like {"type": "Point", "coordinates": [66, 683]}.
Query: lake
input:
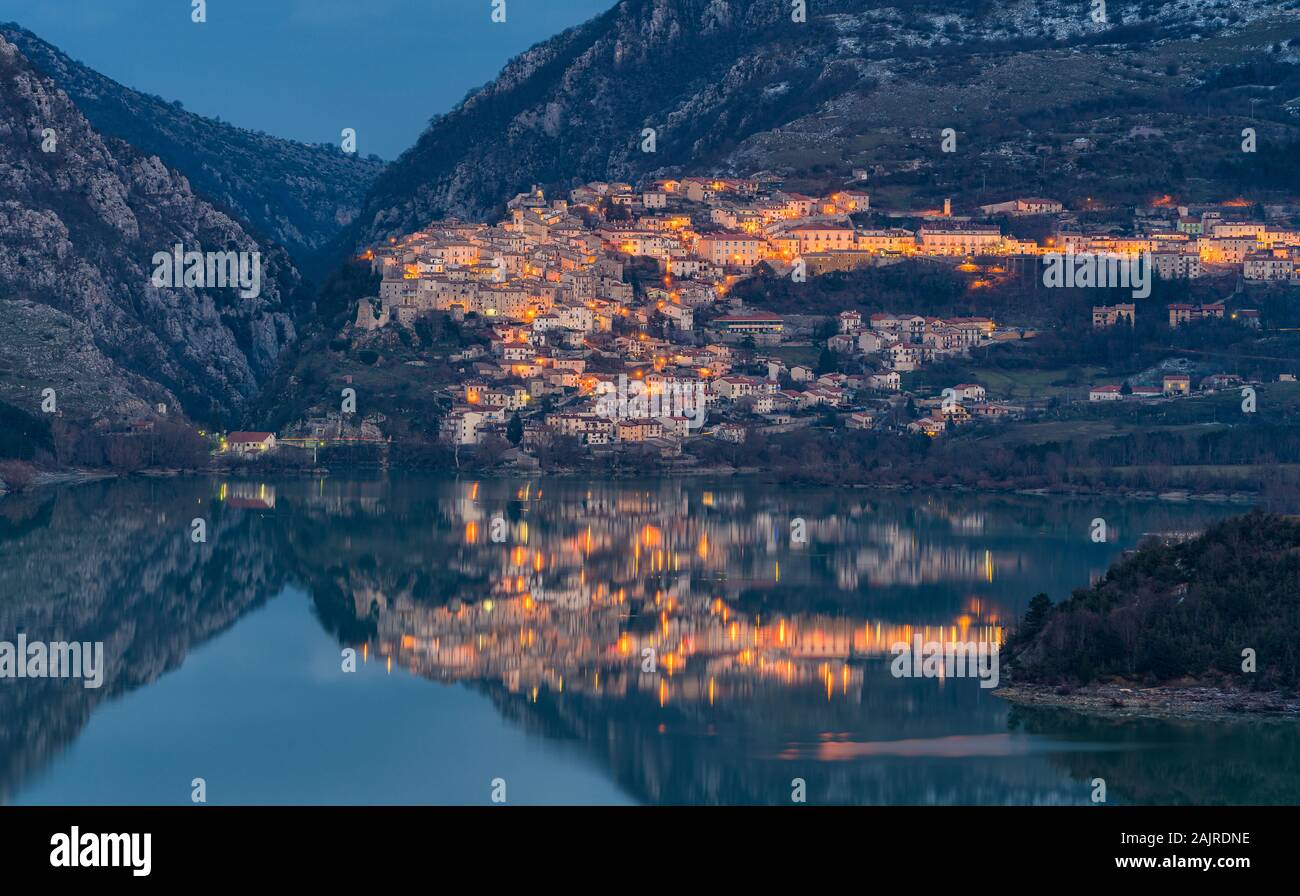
{"type": "Point", "coordinates": [420, 640]}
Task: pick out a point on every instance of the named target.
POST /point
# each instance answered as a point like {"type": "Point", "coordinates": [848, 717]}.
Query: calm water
{"type": "Point", "coordinates": [521, 659]}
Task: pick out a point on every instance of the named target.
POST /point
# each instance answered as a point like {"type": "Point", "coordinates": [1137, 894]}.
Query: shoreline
{"type": "Point", "coordinates": [45, 478]}
{"type": "Point", "coordinates": [1173, 702]}
{"type": "Point", "coordinates": [1172, 496]}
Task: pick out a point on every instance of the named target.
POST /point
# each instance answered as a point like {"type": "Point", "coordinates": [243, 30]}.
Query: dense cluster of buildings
{"type": "Point", "coordinates": [564, 321]}
{"type": "Point", "coordinates": [1187, 242]}
{"type": "Point", "coordinates": [616, 358]}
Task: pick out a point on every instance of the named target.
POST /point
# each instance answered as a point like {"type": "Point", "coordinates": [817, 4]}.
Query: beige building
{"type": "Point", "coordinates": [968, 239]}
{"type": "Point", "coordinates": [1181, 313]}
{"type": "Point", "coordinates": [1176, 265]}
{"type": "Point", "coordinates": [250, 443]}
{"type": "Point", "coordinates": [1108, 315]}
{"type": "Point", "coordinates": [823, 237]}
{"type": "Point", "coordinates": [730, 249]}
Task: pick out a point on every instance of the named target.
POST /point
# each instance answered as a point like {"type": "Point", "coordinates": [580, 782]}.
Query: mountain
{"type": "Point", "coordinates": [82, 216]}
{"type": "Point", "coordinates": [1041, 97]}
{"type": "Point", "coordinates": [298, 195]}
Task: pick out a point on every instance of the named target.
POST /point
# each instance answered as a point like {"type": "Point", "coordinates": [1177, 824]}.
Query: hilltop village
{"type": "Point", "coordinates": [610, 316]}
{"type": "Point", "coordinates": [627, 327]}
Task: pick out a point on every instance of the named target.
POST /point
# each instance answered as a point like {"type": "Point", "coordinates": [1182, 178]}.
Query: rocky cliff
{"type": "Point", "coordinates": [298, 195]}
{"type": "Point", "coordinates": [82, 216]}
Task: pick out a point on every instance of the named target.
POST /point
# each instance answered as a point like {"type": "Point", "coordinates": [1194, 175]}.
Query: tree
{"type": "Point", "coordinates": [1040, 607]}
{"type": "Point", "coordinates": [178, 445]}
{"type": "Point", "coordinates": [515, 430]}
{"type": "Point", "coordinates": [491, 449]}
{"type": "Point", "coordinates": [557, 450]}
{"type": "Point", "coordinates": [23, 435]}
{"type": "Point", "coordinates": [613, 211]}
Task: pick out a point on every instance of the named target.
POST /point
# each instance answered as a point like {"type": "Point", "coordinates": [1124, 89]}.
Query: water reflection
{"type": "Point", "coordinates": [679, 633]}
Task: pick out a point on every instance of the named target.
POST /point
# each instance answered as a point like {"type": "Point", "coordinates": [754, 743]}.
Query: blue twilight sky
{"type": "Point", "coordinates": [303, 69]}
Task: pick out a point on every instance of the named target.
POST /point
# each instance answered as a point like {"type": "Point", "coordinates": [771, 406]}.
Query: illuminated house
{"type": "Point", "coordinates": [1229, 229]}
{"type": "Point", "coordinates": [851, 201]}
{"type": "Point", "coordinates": [823, 237]}
{"type": "Point", "coordinates": [730, 249]}
{"type": "Point", "coordinates": [892, 241]}
{"type": "Point", "coordinates": [966, 239]}
{"type": "Point", "coordinates": [1226, 250]}
{"type": "Point", "coordinates": [250, 443]}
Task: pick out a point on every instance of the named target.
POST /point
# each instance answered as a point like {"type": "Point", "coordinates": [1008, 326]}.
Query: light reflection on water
{"type": "Point", "coordinates": [957, 746]}
{"type": "Point", "coordinates": [659, 641]}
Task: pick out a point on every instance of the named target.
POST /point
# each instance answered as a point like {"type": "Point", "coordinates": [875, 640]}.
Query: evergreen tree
{"type": "Point", "coordinates": [1040, 607]}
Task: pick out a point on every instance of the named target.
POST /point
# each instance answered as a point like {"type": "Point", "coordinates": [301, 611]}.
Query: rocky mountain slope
{"type": "Point", "coordinates": [48, 348]}
{"type": "Point", "coordinates": [739, 87]}
{"type": "Point", "coordinates": [81, 218]}
{"type": "Point", "coordinates": [298, 195]}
